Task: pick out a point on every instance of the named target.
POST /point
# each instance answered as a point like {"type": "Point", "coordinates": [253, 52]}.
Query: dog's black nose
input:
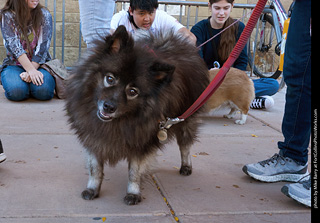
{"type": "Point", "coordinates": [109, 107]}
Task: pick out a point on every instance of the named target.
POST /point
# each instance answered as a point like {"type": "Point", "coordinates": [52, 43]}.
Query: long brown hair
{"type": "Point", "coordinates": [24, 17]}
{"type": "Point", "coordinates": [228, 37]}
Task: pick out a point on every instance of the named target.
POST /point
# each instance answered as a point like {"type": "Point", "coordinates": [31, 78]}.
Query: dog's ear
{"type": "Point", "coordinates": [120, 40]}
{"type": "Point", "coordinates": [162, 72]}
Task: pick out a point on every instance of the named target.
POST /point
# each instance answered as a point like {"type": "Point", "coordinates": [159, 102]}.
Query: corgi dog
{"type": "Point", "coordinates": [236, 90]}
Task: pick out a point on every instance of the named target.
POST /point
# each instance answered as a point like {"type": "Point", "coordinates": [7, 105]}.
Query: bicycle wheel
{"type": "Point", "coordinates": [267, 49]}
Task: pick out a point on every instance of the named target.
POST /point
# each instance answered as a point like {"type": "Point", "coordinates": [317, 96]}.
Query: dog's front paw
{"type": "Point", "coordinates": [132, 199]}
{"type": "Point", "coordinates": [89, 194]}
{"type": "Point", "coordinates": [185, 170]}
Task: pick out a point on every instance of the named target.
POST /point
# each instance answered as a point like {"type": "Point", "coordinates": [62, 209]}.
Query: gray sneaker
{"type": "Point", "coordinates": [300, 191]}
{"type": "Point", "coordinates": [277, 168]}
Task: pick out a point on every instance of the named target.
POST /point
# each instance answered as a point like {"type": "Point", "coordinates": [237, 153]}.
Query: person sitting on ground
{"type": "Point", "coordinates": [218, 50]}
{"type": "Point", "coordinates": [144, 14]}
{"type": "Point", "coordinates": [26, 28]}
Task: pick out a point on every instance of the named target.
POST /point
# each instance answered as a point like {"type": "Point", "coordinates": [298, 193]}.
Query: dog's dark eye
{"type": "Point", "coordinates": [132, 92]}
{"type": "Point", "coordinates": [109, 80]}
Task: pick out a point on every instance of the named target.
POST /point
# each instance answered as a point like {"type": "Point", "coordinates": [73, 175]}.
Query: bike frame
{"type": "Point", "coordinates": [279, 16]}
{"type": "Point", "coordinates": [281, 13]}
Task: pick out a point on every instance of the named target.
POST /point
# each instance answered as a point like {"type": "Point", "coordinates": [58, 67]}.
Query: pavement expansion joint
{"type": "Point", "coordinates": [263, 122]}
{"type": "Point", "coordinates": [173, 213]}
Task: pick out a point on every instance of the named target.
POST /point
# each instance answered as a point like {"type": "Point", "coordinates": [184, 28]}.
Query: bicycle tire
{"type": "Point", "coordinates": [256, 70]}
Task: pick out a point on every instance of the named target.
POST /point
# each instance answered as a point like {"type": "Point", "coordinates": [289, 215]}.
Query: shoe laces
{"type": "Point", "coordinates": [305, 181]}
{"type": "Point", "coordinates": [258, 102]}
{"type": "Point", "coordinates": [276, 158]}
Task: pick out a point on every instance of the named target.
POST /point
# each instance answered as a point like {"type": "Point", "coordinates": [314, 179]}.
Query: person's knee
{"type": "Point", "coordinates": [17, 94]}
{"type": "Point", "coordinates": [274, 86]}
{"type": "Point", "coordinates": [265, 86]}
{"type": "Point", "coordinates": [42, 93]}
{"type": "Point", "coordinates": [15, 89]}
{"type": "Point", "coordinates": [45, 91]}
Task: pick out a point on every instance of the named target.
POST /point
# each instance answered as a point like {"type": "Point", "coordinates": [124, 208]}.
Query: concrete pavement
{"type": "Point", "coordinates": [44, 173]}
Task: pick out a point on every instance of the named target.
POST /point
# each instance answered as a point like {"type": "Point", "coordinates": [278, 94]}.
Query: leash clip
{"type": "Point", "coordinates": [164, 126]}
{"type": "Point", "coordinates": [169, 122]}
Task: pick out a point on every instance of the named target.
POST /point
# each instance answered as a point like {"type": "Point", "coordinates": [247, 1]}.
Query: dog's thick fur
{"type": "Point", "coordinates": [118, 94]}
{"type": "Point", "coordinates": [237, 90]}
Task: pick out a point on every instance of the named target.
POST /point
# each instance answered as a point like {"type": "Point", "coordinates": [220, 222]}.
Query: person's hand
{"type": "Point", "coordinates": [191, 37]}
{"type": "Point", "coordinates": [25, 77]}
{"type": "Point", "coordinates": [36, 77]}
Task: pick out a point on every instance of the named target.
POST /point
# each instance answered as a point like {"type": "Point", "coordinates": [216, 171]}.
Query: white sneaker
{"type": "Point", "coordinates": [266, 102]}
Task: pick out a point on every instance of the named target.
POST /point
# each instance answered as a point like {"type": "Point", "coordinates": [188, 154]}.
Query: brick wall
{"type": "Point", "coordinates": [72, 19]}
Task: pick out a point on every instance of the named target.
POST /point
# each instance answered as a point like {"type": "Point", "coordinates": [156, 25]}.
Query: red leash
{"type": "Point", "coordinates": [215, 83]}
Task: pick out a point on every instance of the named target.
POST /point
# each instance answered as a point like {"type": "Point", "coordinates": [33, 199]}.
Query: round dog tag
{"type": "Point", "coordinates": [162, 135]}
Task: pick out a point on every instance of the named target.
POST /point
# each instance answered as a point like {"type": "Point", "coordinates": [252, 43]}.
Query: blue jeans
{"type": "Point", "coordinates": [265, 86]}
{"type": "Point", "coordinates": [95, 17]}
{"type": "Point", "coordinates": [17, 90]}
{"type": "Point", "coordinates": [296, 124]}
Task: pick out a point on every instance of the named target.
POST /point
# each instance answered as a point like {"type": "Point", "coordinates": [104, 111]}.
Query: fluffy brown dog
{"type": "Point", "coordinates": [236, 90]}
{"type": "Point", "coordinates": [118, 94]}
